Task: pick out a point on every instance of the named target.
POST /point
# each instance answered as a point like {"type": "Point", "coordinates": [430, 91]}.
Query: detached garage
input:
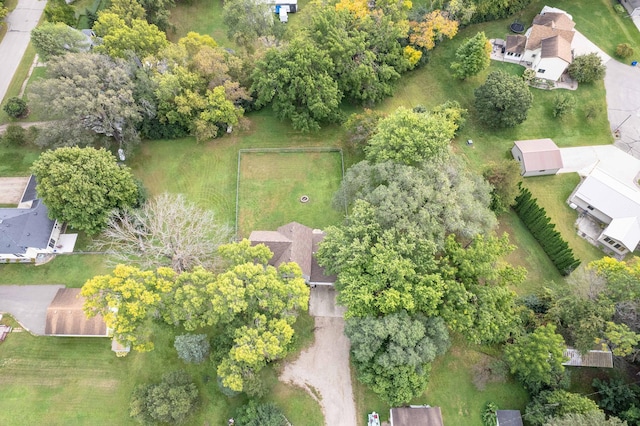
{"type": "Point", "coordinates": [537, 157]}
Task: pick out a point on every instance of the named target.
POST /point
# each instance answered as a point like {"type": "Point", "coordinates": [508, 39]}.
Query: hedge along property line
{"type": "Point", "coordinates": [536, 220]}
{"type": "Point", "coordinates": [280, 150]}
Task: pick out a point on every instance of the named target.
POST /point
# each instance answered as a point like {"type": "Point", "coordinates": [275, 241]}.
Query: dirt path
{"type": "Point", "coordinates": [323, 369]}
{"type": "Point", "coordinates": [11, 189]}
{"type": "Point", "coordinates": [24, 125]}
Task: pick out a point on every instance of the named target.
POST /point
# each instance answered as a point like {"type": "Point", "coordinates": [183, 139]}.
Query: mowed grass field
{"type": "Point", "coordinates": [272, 183]}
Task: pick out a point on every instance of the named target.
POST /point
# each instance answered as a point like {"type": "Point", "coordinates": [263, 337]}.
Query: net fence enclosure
{"type": "Point", "coordinates": [275, 186]}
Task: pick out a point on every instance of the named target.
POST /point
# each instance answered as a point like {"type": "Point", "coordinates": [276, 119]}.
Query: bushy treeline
{"type": "Point", "coordinates": [536, 220]}
{"type": "Point", "coordinates": [491, 10]}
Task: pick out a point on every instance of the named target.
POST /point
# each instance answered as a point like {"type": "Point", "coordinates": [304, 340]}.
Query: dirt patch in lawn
{"type": "Point", "coordinates": [11, 189]}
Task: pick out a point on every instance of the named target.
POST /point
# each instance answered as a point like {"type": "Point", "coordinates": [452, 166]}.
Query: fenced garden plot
{"type": "Point", "coordinates": [271, 184]}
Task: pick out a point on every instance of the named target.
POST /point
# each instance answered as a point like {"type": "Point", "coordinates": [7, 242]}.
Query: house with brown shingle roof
{"type": "Point", "coordinates": [66, 317]}
{"type": "Point", "coordinates": [537, 157]}
{"type": "Point", "coordinates": [548, 47]}
{"type": "Point", "coordinates": [416, 415]}
{"type": "Point", "coordinates": [297, 243]}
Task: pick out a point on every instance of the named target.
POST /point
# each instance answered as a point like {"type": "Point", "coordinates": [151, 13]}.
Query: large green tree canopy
{"type": "Point", "coordinates": [88, 95]}
{"type": "Point", "coordinates": [82, 186]}
{"type": "Point", "coordinates": [57, 39]}
{"type": "Point", "coordinates": [430, 201]}
{"type": "Point", "coordinates": [392, 354]}
{"type": "Point", "coordinates": [503, 100]}
{"type": "Point", "coordinates": [296, 80]}
{"type": "Point", "coordinates": [411, 138]}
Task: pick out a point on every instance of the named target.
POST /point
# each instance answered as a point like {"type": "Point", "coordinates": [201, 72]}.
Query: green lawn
{"type": "Point", "coordinates": [206, 173]}
{"type": "Point", "coordinates": [271, 185]}
{"type": "Point", "coordinates": [79, 381]}
{"type": "Point", "coordinates": [452, 389]}
{"type": "Point", "coordinates": [18, 79]}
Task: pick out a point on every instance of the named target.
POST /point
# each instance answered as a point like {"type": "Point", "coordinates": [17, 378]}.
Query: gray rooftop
{"type": "Point", "coordinates": [24, 228]}
{"type": "Point", "coordinates": [509, 418]}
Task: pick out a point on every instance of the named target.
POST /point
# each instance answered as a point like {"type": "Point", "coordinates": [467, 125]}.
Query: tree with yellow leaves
{"type": "Point", "coordinates": [125, 299]}
{"type": "Point", "coordinates": [432, 29]}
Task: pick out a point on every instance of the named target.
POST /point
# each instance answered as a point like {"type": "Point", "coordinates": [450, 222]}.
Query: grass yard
{"type": "Point", "coordinates": [201, 16]}
{"type": "Point", "coordinates": [271, 185]}
{"type": "Point", "coordinates": [79, 381]}
{"type": "Point", "coordinates": [452, 388]}
{"type": "Point", "coordinates": [206, 173]}
{"type": "Point", "coordinates": [18, 78]}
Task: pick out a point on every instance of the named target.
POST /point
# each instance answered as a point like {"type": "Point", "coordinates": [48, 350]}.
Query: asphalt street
{"type": "Point", "coordinates": [20, 22]}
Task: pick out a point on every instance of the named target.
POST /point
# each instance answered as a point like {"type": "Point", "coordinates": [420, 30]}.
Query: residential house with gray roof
{"type": "Point", "coordinates": [27, 231]}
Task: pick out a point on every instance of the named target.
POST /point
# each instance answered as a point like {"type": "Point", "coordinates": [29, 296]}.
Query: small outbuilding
{"type": "Point", "coordinates": [537, 157]}
{"type": "Point", "coordinates": [416, 415]}
{"type": "Point", "coordinates": [66, 317]}
{"type": "Point", "coordinates": [597, 358]}
{"type": "Point", "coordinates": [508, 418]}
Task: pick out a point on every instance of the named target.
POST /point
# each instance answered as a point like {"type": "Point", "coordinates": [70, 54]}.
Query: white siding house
{"type": "Point", "coordinates": [27, 231]}
{"type": "Point", "coordinates": [613, 203]}
{"type": "Point", "coordinates": [537, 157]}
{"type": "Point", "coordinates": [548, 47]}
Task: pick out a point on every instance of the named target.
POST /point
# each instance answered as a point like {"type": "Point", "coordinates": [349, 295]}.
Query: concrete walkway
{"type": "Point", "coordinates": [614, 161]}
{"type": "Point", "coordinates": [28, 304]}
{"type": "Point", "coordinates": [20, 22]}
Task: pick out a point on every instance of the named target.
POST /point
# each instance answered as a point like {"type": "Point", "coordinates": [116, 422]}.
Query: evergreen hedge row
{"type": "Point", "coordinates": [536, 220]}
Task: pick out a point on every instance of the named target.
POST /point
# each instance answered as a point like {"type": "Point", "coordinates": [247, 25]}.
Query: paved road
{"type": "Point", "coordinates": [20, 22]}
{"type": "Point", "coordinates": [28, 304]}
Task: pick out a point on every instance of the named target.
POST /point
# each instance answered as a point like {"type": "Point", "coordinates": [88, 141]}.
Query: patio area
{"type": "Point", "coordinates": [590, 229]}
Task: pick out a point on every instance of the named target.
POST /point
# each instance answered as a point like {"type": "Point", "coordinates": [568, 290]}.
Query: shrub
{"type": "Point", "coordinates": [16, 107]}
{"type": "Point", "coordinates": [624, 50]}
{"type": "Point", "coordinates": [587, 68]}
{"type": "Point", "coordinates": [591, 111]}
{"type": "Point", "coordinates": [619, 8]}
{"type": "Point", "coordinates": [489, 414]}
{"type": "Point", "coordinates": [267, 414]}
{"type": "Point", "coordinates": [15, 135]}
{"type": "Point", "coordinates": [170, 401]}
{"type": "Point", "coordinates": [192, 348]}
{"type": "Point", "coordinates": [563, 104]}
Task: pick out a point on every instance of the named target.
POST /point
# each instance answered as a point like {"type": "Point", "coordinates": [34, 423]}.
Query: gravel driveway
{"type": "Point", "coordinates": [11, 189]}
{"type": "Point", "coordinates": [323, 369]}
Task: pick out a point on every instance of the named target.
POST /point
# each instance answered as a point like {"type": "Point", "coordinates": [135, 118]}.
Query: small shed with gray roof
{"type": "Point", "coordinates": [537, 157]}
{"type": "Point", "coordinates": [596, 358]}
{"type": "Point", "coordinates": [508, 418]}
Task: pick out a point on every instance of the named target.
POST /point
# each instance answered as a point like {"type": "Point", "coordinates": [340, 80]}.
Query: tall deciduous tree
{"type": "Point", "coordinates": [89, 95]}
{"type": "Point", "coordinates": [166, 231]}
{"type": "Point", "coordinates": [255, 304]}
{"type": "Point", "coordinates": [432, 28]}
{"type": "Point", "coordinates": [430, 201]}
{"type": "Point", "coordinates": [503, 100]}
{"type": "Point", "coordinates": [380, 271]}
{"type": "Point", "coordinates": [473, 56]}
{"type": "Point", "coordinates": [590, 418]}
{"type": "Point", "coordinates": [297, 82]}
{"type": "Point", "coordinates": [558, 403]}
{"type": "Point", "coordinates": [81, 186]}
{"type": "Point", "coordinates": [125, 299]}
{"type": "Point", "coordinates": [504, 177]}
{"type": "Point", "coordinates": [119, 39]}
{"type": "Point", "coordinates": [393, 354]}
{"type": "Point", "coordinates": [170, 402]}
{"type": "Point", "coordinates": [408, 137]}
{"type": "Point", "coordinates": [537, 358]}
{"type": "Point", "coordinates": [57, 39]}
{"type": "Point", "coordinates": [587, 68]}
{"type": "Point", "coordinates": [247, 20]}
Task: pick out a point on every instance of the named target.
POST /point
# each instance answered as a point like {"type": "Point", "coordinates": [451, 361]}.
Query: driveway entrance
{"type": "Point", "coordinates": [28, 304]}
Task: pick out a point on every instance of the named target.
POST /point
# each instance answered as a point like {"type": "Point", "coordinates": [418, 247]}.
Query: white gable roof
{"type": "Point", "coordinates": [609, 195]}
{"type": "Point", "coordinates": [625, 230]}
